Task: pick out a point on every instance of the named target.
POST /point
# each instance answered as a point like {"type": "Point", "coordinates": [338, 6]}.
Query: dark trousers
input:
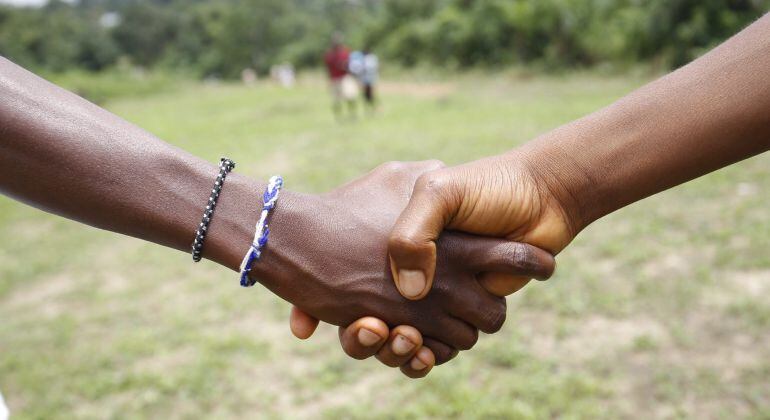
{"type": "Point", "coordinates": [369, 93]}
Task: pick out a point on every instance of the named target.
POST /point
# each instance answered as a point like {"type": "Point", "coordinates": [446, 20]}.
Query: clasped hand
{"type": "Point", "coordinates": [329, 256]}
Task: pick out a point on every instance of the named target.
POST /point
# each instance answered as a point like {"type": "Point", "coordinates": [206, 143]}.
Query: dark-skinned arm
{"type": "Point", "coordinates": [327, 253]}
{"type": "Point", "coordinates": [65, 155]}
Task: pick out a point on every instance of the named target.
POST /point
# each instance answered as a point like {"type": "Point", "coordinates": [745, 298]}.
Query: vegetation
{"type": "Point", "coordinates": [221, 38]}
{"type": "Point", "coordinates": [658, 311]}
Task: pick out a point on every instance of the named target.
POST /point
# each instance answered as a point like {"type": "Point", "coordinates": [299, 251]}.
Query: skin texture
{"type": "Point", "coordinates": [327, 253]}
{"type": "Point", "coordinates": [341, 284]}
{"type": "Point", "coordinates": [702, 117]}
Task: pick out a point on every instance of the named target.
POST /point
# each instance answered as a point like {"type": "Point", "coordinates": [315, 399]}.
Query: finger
{"type": "Point", "coordinates": [301, 324]}
{"type": "Point", "coordinates": [419, 365]}
{"type": "Point", "coordinates": [455, 332]}
{"type": "Point", "coordinates": [403, 343]}
{"type": "Point", "coordinates": [480, 308]}
{"type": "Point", "coordinates": [482, 254]}
{"type": "Point", "coordinates": [412, 242]}
{"type": "Point", "coordinates": [364, 337]}
{"type": "Point", "coordinates": [500, 284]}
{"type": "Point", "coordinates": [442, 352]}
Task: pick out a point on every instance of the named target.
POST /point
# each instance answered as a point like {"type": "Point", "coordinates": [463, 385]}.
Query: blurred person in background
{"type": "Point", "coordinates": [248, 76]}
{"type": "Point", "coordinates": [370, 67]}
{"type": "Point", "coordinates": [3, 409]}
{"type": "Point", "coordinates": [283, 74]}
{"type": "Point", "coordinates": [365, 67]}
{"type": "Point", "coordinates": [356, 64]}
{"type": "Point", "coordinates": [343, 87]}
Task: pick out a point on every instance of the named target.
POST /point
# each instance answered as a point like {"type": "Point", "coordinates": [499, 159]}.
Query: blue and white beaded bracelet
{"type": "Point", "coordinates": [262, 231]}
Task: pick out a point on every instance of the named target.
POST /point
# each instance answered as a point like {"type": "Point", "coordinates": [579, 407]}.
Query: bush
{"type": "Point", "coordinates": [221, 38]}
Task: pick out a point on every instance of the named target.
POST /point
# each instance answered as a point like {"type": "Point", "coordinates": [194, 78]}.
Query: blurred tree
{"type": "Point", "coordinates": [222, 37]}
{"type": "Point", "coordinates": [145, 30]}
{"type": "Point", "coordinates": [55, 38]}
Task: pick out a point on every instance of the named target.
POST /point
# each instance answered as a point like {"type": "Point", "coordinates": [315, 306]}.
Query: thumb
{"type": "Point", "coordinates": [504, 266]}
{"type": "Point", "coordinates": [412, 242]}
{"type": "Point", "coordinates": [302, 324]}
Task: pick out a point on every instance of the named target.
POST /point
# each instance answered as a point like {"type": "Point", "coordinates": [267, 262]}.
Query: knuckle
{"type": "Point", "coordinates": [522, 257]}
{"type": "Point", "coordinates": [405, 243]}
{"type": "Point", "coordinates": [431, 182]}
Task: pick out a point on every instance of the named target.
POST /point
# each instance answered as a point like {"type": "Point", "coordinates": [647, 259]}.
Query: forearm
{"type": "Point", "coordinates": [707, 115]}
{"type": "Point", "coordinates": [67, 156]}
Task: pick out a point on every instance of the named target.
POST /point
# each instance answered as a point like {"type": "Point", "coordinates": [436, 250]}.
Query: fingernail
{"type": "Point", "coordinates": [417, 364]}
{"type": "Point", "coordinates": [412, 282]}
{"type": "Point", "coordinates": [402, 345]}
{"type": "Point", "coordinates": [367, 338]}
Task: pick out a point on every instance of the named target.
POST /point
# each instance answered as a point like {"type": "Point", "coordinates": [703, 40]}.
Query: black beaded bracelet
{"type": "Point", "coordinates": [225, 166]}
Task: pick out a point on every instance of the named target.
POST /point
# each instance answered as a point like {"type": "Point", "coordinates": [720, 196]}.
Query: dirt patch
{"type": "Point", "coordinates": [735, 285]}
{"type": "Point", "coordinates": [44, 298]}
{"type": "Point", "coordinates": [427, 90]}
{"type": "Point", "coordinates": [587, 338]}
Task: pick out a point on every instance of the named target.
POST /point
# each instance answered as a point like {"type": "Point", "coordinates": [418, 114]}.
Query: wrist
{"type": "Point", "coordinates": [584, 164]}
{"type": "Point", "coordinates": [233, 226]}
{"type": "Point", "coordinates": [284, 258]}
{"type": "Point", "coordinates": [560, 181]}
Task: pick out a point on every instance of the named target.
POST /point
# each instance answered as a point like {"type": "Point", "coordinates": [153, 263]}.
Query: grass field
{"type": "Point", "coordinates": [661, 310]}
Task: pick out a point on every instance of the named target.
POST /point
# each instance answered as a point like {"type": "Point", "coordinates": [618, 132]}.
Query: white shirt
{"type": "Point", "coordinates": [370, 69]}
{"type": "Point", "coordinates": [3, 409]}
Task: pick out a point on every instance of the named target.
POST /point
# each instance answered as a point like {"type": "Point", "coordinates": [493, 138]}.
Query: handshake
{"type": "Point", "coordinates": [413, 259]}
{"type": "Point", "coordinates": [455, 240]}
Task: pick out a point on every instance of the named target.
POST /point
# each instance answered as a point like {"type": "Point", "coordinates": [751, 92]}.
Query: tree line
{"type": "Point", "coordinates": [222, 37]}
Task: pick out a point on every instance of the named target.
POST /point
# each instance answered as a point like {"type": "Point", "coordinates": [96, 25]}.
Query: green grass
{"type": "Point", "coordinates": [660, 310]}
{"type": "Point", "coordinates": [118, 82]}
